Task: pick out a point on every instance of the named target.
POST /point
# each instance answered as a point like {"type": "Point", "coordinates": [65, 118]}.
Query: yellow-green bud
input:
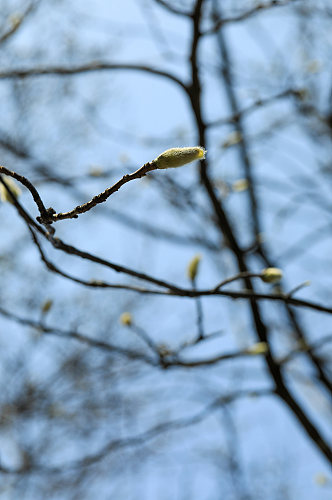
{"type": "Point", "coordinates": [164, 350]}
{"type": "Point", "coordinates": [258, 348]}
{"type": "Point", "coordinates": [233, 139]}
{"type": "Point", "coordinates": [271, 275]}
{"type": "Point", "coordinates": [96, 171]}
{"type": "Point", "coordinates": [4, 195]}
{"type": "Point", "coordinates": [193, 265]}
{"type": "Point", "coordinates": [176, 157]}
{"type": "Point", "coordinates": [47, 306]}
{"type": "Point", "coordinates": [321, 480]}
{"type": "Point", "coordinates": [15, 20]}
{"type": "Point", "coordinates": [240, 185]}
{"type": "Point", "coordinates": [126, 319]}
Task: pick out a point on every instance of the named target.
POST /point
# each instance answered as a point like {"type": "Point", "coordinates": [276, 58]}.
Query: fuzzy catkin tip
{"type": "Point", "coordinates": [176, 157]}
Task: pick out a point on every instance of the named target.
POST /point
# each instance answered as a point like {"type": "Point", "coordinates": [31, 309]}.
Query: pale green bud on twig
{"type": "Point", "coordinates": [193, 265]}
{"type": "Point", "coordinates": [299, 287]}
{"type": "Point", "coordinates": [176, 157]}
{"type": "Point", "coordinates": [271, 275]}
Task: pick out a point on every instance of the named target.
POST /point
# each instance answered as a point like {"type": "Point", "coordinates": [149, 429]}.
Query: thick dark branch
{"type": "Point", "coordinates": [248, 169]}
{"type": "Point", "coordinates": [171, 289]}
{"type": "Point", "coordinates": [91, 283]}
{"type": "Point", "coordinates": [311, 354]}
{"type": "Point", "coordinates": [60, 245]}
{"type": "Point", "coordinates": [175, 291]}
{"type": "Point", "coordinates": [303, 348]}
{"type": "Point", "coordinates": [225, 227]}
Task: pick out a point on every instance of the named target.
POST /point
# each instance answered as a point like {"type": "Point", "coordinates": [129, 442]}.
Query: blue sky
{"type": "Point", "coordinates": [116, 121]}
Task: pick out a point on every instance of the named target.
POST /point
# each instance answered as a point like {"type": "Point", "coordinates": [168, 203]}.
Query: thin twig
{"type": "Point", "coordinates": [102, 197]}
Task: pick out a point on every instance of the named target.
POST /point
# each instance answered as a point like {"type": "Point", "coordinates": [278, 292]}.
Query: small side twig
{"type": "Point", "coordinates": [239, 276]}
{"type": "Point", "coordinates": [23, 180]}
{"type": "Point", "coordinates": [100, 198]}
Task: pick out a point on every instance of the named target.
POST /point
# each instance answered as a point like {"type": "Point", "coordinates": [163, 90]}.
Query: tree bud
{"type": "Point", "coordinates": [176, 157]}
{"type": "Point", "coordinates": [126, 319]}
{"type": "Point", "coordinates": [193, 265]}
{"type": "Point", "coordinates": [271, 275]}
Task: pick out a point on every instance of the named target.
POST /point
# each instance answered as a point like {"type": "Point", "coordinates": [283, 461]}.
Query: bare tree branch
{"type": "Point", "coordinates": [258, 8]}
{"type": "Point", "coordinates": [94, 67]}
{"type": "Point", "coordinates": [140, 439]}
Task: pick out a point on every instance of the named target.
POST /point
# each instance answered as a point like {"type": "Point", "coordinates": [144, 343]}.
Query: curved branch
{"type": "Point", "coordinates": [80, 337]}
{"type": "Point", "coordinates": [173, 9]}
{"type": "Point", "coordinates": [102, 197]}
{"type": "Point", "coordinates": [247, 14]}
{"type": "Point", "coordinates": [140, 439]}
{"type": "Point", "coordinates": [91, 67]}
{"type": "Point", "coordinates": [23, 180]}
{"type": "Point", "coordinates": [171, 289]}
{"type": "Point", "coordinates": [18, 22]}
